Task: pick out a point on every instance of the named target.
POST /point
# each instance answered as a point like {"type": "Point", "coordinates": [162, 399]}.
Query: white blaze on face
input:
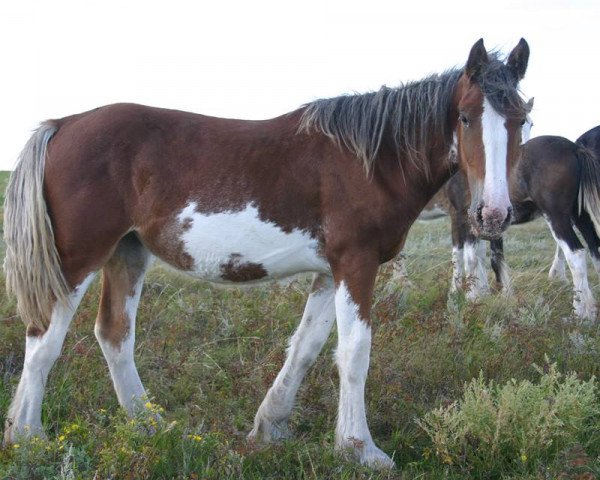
{"type": "Point", "coordinates": [495, 143]}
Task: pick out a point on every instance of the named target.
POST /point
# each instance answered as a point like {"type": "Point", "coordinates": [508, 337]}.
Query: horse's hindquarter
{"type": "Point", "coordinates": [225, 200]}
{"type": "Point", "coordinates": [550, 172]}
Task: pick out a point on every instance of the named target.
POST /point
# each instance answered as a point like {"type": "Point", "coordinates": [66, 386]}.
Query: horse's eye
{"type": "Point", "coordinates": [463, 118]}
{"type": "Point", "coordinates": [523, 122]}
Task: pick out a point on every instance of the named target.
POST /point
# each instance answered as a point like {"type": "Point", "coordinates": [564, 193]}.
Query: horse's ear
{"type": "Point", "coordinates": [478, 58]}
{"type": "Point", "coordinates": [518, 58]}
{"type": "Point", "coordinates": [529, 104]}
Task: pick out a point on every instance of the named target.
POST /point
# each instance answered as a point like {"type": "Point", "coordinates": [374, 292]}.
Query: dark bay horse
{"type": "Point", "coordinates": [331, 188]}
{"type": "Point", "coordinates": [555, 178]}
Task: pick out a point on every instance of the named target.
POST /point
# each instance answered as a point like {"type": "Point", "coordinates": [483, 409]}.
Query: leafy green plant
{"type": "Point", "coordinates": [517, 426]}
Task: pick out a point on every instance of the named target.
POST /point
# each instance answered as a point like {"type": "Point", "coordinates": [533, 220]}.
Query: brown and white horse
{"type": "Point", "coordinates": [555, 178]}
{"type": "Point", "coordinates": [468, 252]}
{"type": "Point", "coordinates": [331, 188]}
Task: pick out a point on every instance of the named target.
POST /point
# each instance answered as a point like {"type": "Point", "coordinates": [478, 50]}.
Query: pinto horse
{"type": "Point", "coordinates": [555, 178]}
{"type": "Point", "coordinates": [467, 251]}
{"type": "Point", "coordinates": [331, 188]}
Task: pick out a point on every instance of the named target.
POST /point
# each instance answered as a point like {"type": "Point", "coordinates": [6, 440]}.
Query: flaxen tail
{"type": "Point", "coordinates": [32, 264]}
{"type": "Point", "coordinates": [589, 185]}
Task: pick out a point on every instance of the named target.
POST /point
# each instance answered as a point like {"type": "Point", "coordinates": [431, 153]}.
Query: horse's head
{"type": "Point", "coordinates": [491, 116]}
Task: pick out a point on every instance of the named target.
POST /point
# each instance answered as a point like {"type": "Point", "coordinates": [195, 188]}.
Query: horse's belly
{"type": "Point", "coordinates": [233, 247]}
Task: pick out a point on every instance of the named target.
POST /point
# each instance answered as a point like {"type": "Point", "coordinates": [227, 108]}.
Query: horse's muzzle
{"type": "Point", "coordinates": [489, 223]}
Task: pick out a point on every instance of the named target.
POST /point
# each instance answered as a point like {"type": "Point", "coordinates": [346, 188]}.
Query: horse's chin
{"type": "Point", "coordinates": [484, 233]}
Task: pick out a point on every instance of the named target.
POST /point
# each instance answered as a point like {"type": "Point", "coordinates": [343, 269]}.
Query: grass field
{"type": "Point", "coordinates": [3, 181]}
{"type": "Point", "coordinates": [207, 357]}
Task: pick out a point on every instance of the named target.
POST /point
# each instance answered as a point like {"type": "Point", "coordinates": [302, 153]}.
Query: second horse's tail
{"type": "Point", "coordinates": [589, 185]}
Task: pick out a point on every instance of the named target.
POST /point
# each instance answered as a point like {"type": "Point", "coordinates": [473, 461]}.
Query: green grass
{"type": "Point", "coordinates": [208, 356]}
{"type": "Point", "coordinates": [3, 182]}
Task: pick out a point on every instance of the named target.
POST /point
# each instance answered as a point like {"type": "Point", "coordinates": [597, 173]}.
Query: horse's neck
{"type": "Point", "coordinates": [414, 187]}
{"type": "Point", "coordinates": [441, 169]}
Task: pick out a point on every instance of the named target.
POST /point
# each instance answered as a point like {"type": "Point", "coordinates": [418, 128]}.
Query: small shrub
{"type": "Point", "coordinates": [515, 427]}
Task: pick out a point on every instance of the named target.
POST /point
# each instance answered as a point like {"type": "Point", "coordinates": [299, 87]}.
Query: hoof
{"type": "Point", "coordinates": [366, 453]}
{"type": "Point", "coordinates": [559, 275]}
{"type": "Point", "coordinates": [557, 269]}
{"type": "Point", "coordinates": [474, 294]}
{"type": "Point", "coordinates": [12, 433]}
{"type": "Point", "coordinates": [585, 312]}
{"type": "Point", "coordinates": [266, 431]}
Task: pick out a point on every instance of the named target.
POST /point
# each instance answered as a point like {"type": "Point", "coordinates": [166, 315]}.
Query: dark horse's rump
{"type": "Point", "coordinates": [559, 179]}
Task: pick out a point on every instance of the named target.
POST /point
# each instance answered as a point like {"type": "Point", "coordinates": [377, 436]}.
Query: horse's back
{"type": "Point", "coordinates": [192, 187]}
{"type": "Point", "coordinates": [547, 151]}
{"type": "Point", "coordinates": [550, 170]}
{"type": "Point", "coordinates": [591, 140]}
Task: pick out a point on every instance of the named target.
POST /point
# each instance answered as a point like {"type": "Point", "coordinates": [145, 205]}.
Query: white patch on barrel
{"type": "Point", "coordinates": [211, 240]}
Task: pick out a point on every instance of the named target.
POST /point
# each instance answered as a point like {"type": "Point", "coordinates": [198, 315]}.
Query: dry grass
{"type": "Point", "coordinates": [209, 355]}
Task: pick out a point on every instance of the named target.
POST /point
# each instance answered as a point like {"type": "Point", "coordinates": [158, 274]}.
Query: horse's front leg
{"type": "Point", "coordinates": [477, 282]}
{"type": "Point", "coordinates": [270, 423]}
{"type": "Point", "coordinates": [499, 266]}
{"type": "Point", "coordinates": [355, 277]}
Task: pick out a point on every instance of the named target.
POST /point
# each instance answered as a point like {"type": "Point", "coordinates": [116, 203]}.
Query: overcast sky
{"type": "Point", "coordinates": [258, 59]}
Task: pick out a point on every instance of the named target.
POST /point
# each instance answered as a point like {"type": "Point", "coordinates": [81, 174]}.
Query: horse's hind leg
{"type": "Point", "coordinates": [557, 270]}
{"type": "Point", "coordinates": [562, 230]}
{"type": "Point", "coordinates": [41, 351]}
{"type": "Point", "coordinates": [122, 279]}
{"type": "Point", "coordinates": [586, 227]}
{"type": "Point", "coordinates": [270, 422]}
